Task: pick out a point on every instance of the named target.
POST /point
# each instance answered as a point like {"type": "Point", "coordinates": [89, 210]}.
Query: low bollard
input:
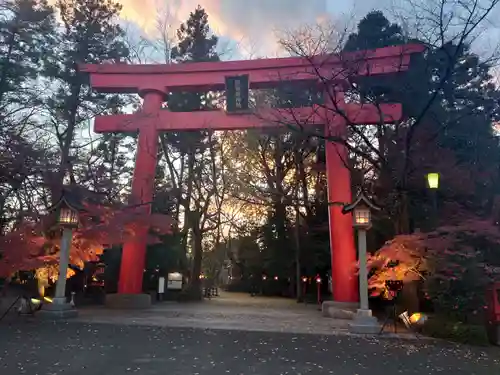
{"type": "Point", "coordinates": [304, 288]}
{"type": "Point", "coordinates": [318, 289]}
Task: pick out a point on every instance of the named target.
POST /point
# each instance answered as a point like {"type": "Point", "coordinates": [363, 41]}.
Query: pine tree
{"type": "Point", "coordinates": [450, 104]}
{"type": "Point", "coordinates": [195, 148]}
{"type": "Point", "coordinates": [89, 34]}
{"type": "Point", "coordinates": [26, 30]}
{"type": "Point", "coordinates": [195, 44]}
{"type": "Point", "coordinates": [374, 31]}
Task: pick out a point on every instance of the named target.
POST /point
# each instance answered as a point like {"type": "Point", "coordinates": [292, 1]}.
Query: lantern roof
{"type": "Point", "coordinates": [360, 199]}
{"type": "Point", "coordinates": [75, 197]}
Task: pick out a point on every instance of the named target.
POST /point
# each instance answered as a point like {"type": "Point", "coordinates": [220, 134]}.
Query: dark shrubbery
{"type": "Point", "coordinates": [456, 331]}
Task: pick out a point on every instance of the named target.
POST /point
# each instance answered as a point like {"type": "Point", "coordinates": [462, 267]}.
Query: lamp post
{"type": "Point", "coordinates": [304, 287]}
{"type": "Point", "coordinates": [433, 184]}
{"type": "Point", "coordinates": [361, 210]}
{"type": "Point", "coordinates": [318, 289]}
{"type": "Point", "coordinates": [263, 284]}
{"type": "Point", "coordinates": [67, 220]}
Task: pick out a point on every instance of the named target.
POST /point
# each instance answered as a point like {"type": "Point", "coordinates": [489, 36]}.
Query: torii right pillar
{"type": "Point", "coordinates": [342, 244]}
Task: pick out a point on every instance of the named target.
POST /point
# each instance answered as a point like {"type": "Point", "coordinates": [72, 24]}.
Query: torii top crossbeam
{"type": "Point", "coordinates": [123, 78]}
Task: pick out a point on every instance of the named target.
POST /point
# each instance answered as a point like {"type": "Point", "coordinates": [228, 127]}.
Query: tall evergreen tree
{"type": "Point", "coordinates": [26, 36]}
{"type": "Point", "coordinates": [450, 104]}
{"type": "Point", "coordinates": [195, 148]}
{"type": "Point", "coordinates": [374, 31]}
{"type": "Point", "coordinates": [89, 34]}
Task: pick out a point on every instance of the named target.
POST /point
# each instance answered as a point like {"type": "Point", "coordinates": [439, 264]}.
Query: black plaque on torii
{"type": "Point", "coordinates": [237, 94]}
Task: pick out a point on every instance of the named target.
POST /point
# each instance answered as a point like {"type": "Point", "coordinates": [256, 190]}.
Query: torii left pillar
{"type": "Point", "coordinates": [130, 293]}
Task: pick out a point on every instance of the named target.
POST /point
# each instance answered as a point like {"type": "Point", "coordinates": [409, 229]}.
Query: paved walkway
{"type": "Point", "coordinates": [231, 334]}
{"type": "Point", "coordinates": [119, 349]}
{"type": "Point", "coordinates": [228, 311]}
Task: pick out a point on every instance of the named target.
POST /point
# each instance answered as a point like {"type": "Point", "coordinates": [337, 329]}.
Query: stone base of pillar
{"type": "Point", "coordinates": [364, 323]}
{"type": "Point", "coordinates": [497, 340]}
{"type": "Point", "coordinates": [58, 309]}
{"type": "Point", "coordinates": [128, 301]}
{"type": "Point", "coordinates": [339, 310]}
{"type": "Point", "coordinates": [493, 331]}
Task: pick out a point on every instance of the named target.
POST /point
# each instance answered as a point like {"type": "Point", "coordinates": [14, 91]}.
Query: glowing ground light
{"type": "Point", "coordinates": [415, 319]}
{"type": "Point", "coordinates": [418, 318]}
{"type": "Point", "coordinates": [36, 301]}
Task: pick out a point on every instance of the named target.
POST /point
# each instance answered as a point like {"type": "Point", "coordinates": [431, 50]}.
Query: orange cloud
{"type": "Point", "coordinates": [147, 13]}
{"type": "Point", "coordinates": [252, 22]}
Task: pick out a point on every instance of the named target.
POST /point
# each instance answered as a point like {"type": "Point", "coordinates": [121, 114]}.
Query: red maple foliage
{"type": "Point", "coordinates": [36, 243]}
{"type": "Point", "coordinates": [456, 262]}
{"type": "Point", "coordinates": [402, 258]}
{"type": "Point", "coordinates": [21, 249]}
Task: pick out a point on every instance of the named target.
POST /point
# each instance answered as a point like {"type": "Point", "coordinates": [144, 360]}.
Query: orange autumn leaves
{"type": "Point", "coordinates": [401, 258]}
{"type": "Point", "coordinates": [442, 254]}
{"type": "Point", "coordinates": [33, 245]}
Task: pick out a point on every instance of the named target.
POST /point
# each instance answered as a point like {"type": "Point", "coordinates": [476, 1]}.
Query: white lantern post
{"type": "Point", "coordinates": [67, 220]}
{"type": "Point", "coordinates": [361, 208]}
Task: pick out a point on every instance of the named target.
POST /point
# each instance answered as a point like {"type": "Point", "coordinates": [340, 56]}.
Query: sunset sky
{"type": "Point", "coordinates": [251, 23]}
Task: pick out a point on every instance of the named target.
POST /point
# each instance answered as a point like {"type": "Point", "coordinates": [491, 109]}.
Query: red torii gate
{"type": "Point", "coordinates": [153, 82]}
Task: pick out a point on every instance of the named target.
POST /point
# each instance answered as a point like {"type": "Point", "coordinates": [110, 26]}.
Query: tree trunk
{"type": "Point", "coordinates": [409, 297]}
{"type": "Point", "coordinates": [409, 294]}
{"type": "Point", "coordinates": [298, 272]}
{"type": "Point", "coordinates": [65, 141]}
{"type": "Point", "coordinates": [403, 222]}
{"type": "Point", "coordinates": [197, 260]}
{"type": "Point", "coordinates": [194, 288]}
{"type": "Point", "coordinates": [187, 203]}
